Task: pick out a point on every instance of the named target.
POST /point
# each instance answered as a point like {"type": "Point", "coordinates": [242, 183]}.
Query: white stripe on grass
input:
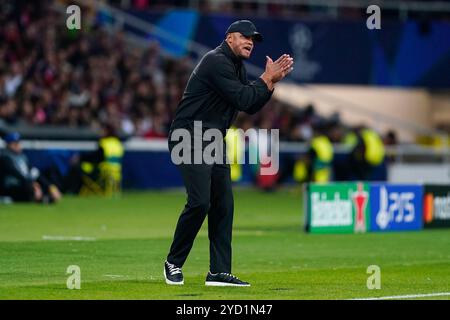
{"type": "Point", "coordinates": [408, 296]}
{"type": "Point", "coordinates": [65, 238]}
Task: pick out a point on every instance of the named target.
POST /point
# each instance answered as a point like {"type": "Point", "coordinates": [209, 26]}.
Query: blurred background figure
{"type": "Point", "coordinates": [317, 164]}
{"type": "Point", "coordinates": [320, 155]}
{"type": "Point", "coordinates": [367, 153]}
{"type": "Point", "coordinates": [235, 150]}
{"type": "Point", "coordinates": [20, 181]}
{"type": "Point", "coordinates": [98, 172]}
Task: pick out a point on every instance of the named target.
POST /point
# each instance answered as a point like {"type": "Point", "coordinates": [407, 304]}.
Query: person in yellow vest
{"type": "Point", "coordinates": [320, 155]}
{"type": "Point", "coordinates": [368, 153]}
{"type": "Point", "coordinates": [235, 152]}
{"type": "Point", "coordinates": [111, 166]}
{"type": "Point", "coordinates": [102, 169]}
{"type": "Point", "coordinates": [350, 139]}
{"type": "Point", "coordinates": [317, 164]}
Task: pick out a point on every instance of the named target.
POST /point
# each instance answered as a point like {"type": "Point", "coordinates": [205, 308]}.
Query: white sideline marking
{"type": "Point", "coordinates": [115, 276]}
{"type": "Point", "coordinates": [408, 296]}
{"type": "Point", "coordinates": [64, 238]}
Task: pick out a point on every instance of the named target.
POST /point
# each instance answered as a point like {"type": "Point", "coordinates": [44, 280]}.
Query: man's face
{"type": "Point", "coordinates": [241, 45]}
{"type": "Point", "coordinates": [15, 147]}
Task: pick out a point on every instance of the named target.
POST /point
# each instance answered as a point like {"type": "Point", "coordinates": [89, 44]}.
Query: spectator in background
{"type": "Point", "coordinates": [98, 172]}
{"type": "Point", "coordinates": [19, 180]}
{"type": "Point", "coordinates": [368, 155]}
{"type": "Point", "coordinates": [8, 111]}
{"type": "Point", "coordinates": [390, 139]}
{"type": "Point", "coordinates": [13, 80]}
{"type": "Point", "coordinates": [267, 182]}
{"type": "Point", "coordinates": [320, 155]}
{"type": "Point", "coordinates": [317, 164]}
{"type": "Point", "coordinates": [339, 134]}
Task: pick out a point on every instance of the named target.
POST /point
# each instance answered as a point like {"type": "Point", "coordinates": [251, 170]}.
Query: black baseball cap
{"type": "Point", "coordinates": [247, 28]}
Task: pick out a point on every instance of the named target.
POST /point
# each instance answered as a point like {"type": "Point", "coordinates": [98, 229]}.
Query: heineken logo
{"type": "Point", "coordinates": [330, 212]}
{"type": "Point", "coordinates": [360, 198]}
{"type": "Point", "coordinates": [340, 206]}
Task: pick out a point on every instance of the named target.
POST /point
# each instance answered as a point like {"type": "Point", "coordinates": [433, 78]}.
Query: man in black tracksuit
{"type": "Point", "coordinates": [19, 180]}
{"type": "Point", "coordinates": [216, 91]}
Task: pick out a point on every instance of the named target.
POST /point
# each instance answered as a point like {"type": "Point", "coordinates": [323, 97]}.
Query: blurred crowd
{"type": "Point", "coordinates": [305, 9]}
{"type": "Point", "coordinates": [80, 79]}
{"type": "Point", "coordinates": [51, 76]}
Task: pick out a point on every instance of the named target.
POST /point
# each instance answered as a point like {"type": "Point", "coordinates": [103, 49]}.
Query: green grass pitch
{"type": "Point", "coordinates": [125, 240]}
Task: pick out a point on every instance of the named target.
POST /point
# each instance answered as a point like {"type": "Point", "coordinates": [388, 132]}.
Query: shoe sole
{"type": "Point", "coordinates": [224, 284]}
{"type": "Point", "coordinates": [172, 283]}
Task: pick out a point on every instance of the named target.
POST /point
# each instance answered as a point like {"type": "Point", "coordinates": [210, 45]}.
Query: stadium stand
{"type": "Point", "coordinates": [51, 77]}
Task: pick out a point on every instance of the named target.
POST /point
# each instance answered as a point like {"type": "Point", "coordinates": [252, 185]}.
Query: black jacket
{"type": "Point", "coordinates": [217, 90]}
{"type": "Point", "coordinates": [14, 169]}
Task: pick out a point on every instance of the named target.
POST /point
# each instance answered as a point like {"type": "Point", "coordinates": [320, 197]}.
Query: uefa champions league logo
{"type": "Point", "coordinates": [301, 41]}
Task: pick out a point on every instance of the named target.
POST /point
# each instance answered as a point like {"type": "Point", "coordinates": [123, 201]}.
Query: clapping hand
{"type": "Point", "coordinates": [280, 68]}
{"type": "Point", "coordinates": [277, 70]}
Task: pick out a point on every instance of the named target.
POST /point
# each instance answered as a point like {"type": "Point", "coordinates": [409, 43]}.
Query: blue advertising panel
{"type": "Point", "coordinates": [396, 207]}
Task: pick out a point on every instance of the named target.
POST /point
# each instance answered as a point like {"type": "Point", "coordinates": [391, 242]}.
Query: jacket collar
{"type": "Point", "coordinates": [229, 53]}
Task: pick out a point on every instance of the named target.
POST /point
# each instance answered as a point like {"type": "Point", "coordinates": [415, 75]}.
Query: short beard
{"type": "Point", "coordinates": [239, 56]}
{"type": "Point", "coordinates": [243, 57]}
